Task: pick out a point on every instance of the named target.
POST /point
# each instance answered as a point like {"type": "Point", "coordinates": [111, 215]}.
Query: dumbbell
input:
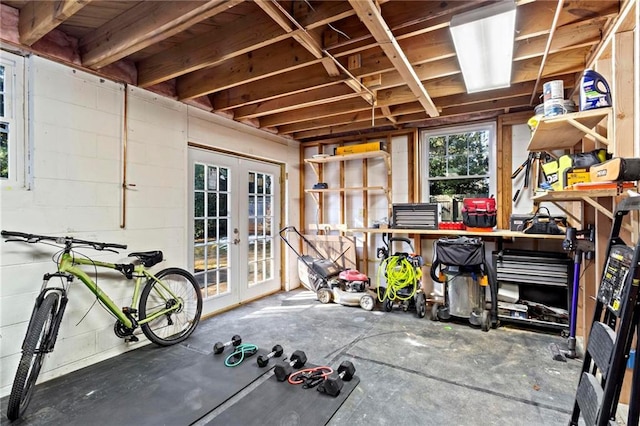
{"type": "Point", "coordinates": [263, 360]}
{"type": "Point", "coordinates": [334, 383]}
{"type": "Point", "coordinates": [284, 369]}
{"type": "Point", "coordinates": [218, 348]}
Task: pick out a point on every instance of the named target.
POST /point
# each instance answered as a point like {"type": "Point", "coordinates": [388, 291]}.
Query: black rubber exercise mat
{"type": "Point", "coordinates": [281, 403]}
{"type": "Point", "coordinates": [147, 390]}
{"type": "Point", "coordinates": [179, 397]}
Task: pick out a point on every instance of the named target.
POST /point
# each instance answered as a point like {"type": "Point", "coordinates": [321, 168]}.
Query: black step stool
{"type": "Point", "coordinates": [616, 320]}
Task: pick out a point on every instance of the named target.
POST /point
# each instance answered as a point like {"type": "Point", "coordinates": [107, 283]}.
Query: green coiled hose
{"type": "Point", "coordinates": [400, 273]}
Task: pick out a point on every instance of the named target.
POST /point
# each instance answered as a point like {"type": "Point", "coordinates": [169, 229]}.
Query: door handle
{"type": "Point", "coordinates": [236, 240]}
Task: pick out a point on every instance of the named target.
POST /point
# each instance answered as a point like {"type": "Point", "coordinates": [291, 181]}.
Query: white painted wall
{"type": "Point", "coordinates": [74, 188]}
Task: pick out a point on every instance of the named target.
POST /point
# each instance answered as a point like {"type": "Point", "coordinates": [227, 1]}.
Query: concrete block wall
{"type": "Point", "coordinates": [74, 188]}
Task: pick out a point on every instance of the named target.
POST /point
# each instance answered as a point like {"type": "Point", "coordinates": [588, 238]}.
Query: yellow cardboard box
{"type": "Point", "coordinates": [361, 147]}
{"type": "Point", "coordinates": [577, 175]}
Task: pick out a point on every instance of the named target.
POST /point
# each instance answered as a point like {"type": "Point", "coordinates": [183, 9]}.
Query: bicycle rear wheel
{"type": "Point", "coordinates": [38, 334]}
{"type": "Point", "coordinates": [175, 286]}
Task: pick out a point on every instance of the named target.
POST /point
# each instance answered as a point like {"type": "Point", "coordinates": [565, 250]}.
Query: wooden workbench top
{"type": "Point", "coordinates": [496, 233]}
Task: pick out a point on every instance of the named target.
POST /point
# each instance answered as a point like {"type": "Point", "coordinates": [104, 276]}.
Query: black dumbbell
{"type": "Point", "coordinates": [263, 360]}
{"type": "Point", "coordinates": [334, 383]}
{"type": "Point", "coordinates": [284, 369]}
{"type": "Point", "coordinates": [218, 348]}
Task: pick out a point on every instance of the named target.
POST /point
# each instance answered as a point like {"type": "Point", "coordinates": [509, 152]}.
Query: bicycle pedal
{"type": "Point", "coordinates": [131, 338]}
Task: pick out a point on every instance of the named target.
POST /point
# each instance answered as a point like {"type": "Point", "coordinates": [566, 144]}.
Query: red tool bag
{"type": "Point", "coordinates": [479, 212]}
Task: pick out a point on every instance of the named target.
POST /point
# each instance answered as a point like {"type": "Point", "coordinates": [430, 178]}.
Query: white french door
{"type": "Point", "coordinates": [234, 211]}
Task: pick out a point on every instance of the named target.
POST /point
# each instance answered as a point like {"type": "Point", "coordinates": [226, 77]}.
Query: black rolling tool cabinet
{"type": "Point", "coordinates": [543, 280]}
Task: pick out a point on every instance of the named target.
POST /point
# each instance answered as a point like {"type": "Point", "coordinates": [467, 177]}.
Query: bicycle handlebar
{"type": "Point", "coordinates": [33, 238]}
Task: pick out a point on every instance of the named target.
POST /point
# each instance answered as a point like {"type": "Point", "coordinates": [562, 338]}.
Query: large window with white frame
{"type": "Point", "coordinates": [12, 101]}
{"type": "Point", "coordinates": [457, 162]}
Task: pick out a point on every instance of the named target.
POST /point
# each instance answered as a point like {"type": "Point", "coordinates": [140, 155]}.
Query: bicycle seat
{"type": "Point", "coordinates": [148, 258]}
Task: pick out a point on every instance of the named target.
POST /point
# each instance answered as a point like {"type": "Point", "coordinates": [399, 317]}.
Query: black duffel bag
{"type": "Point", "coordinates": [544, 223]}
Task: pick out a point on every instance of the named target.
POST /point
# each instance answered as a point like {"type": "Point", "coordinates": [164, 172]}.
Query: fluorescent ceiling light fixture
{"type": "Point", "coordinates": [484, 44]}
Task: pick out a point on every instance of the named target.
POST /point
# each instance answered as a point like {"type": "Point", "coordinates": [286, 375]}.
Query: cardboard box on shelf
{"type": "Point", "coordinates": [361, 147]}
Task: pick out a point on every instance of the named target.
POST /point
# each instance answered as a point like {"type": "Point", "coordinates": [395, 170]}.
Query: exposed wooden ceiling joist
{"type": "Point", "coordinates": [269, 70]}
{"type": "Point", "coordinates": [368, 12]}
{"type": "Point", "coordinates": [143, 25]}
{"type": "Point", "coordinates": [554, 25]}
{"type": "Point", "coordinates": [38, 18]}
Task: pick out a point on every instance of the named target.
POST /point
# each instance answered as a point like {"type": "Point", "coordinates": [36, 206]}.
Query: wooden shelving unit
{"type": "Point", "coordinates": [314, 192]}
{"type": "Point", "coordinates": [315, 161]}
{"type": "Point", "coordinates": [564, 131]}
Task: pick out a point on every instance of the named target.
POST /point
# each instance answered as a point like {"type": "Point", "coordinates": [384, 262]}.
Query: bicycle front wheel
{"type": "Point", "coordinates": [38, 334]}
{"type": "Point", "coordinates": [175, 286]}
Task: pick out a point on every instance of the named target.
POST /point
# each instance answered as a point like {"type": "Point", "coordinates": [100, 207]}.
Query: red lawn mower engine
{"type": "Point", "coordinates": [354, 281]}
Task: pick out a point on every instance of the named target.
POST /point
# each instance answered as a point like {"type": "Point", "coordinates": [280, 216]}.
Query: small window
{"type": "Point", "coordinates": [458, 163]}
{"type": "Point", "coordinates": [12, 98]}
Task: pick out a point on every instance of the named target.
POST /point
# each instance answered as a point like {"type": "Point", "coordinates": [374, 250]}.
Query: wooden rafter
{"type": "Point", "coordinates": [143, 25]}
{"type": "Point", "coordinates": [368, 12]}
{"type": "Point", "coordinates": [37, 18]}
{"type": "Point", "coordinates": [554, 24]}
{"type": "Point", "coordinates": [313, 44]}
{"type": "Point", "coordinates": [210, 49]}
{"type": "Point", "coordinates": [302, 67]}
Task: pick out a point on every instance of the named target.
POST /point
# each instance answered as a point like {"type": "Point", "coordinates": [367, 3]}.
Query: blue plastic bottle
{"type": "Point", "coordinates": [594, 91]}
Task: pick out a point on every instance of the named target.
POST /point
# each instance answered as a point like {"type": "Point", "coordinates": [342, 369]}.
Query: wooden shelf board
{"type": "Point", "coordinates": [558, 132]}
{"type": "Point", "coordinates": [358, 156]}
{"type": "Point", "coordinates": [355, 188]}
{"type": "Point", "coordinates": [575, 195]}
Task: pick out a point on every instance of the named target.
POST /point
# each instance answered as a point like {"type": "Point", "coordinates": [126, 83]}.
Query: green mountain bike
{"type": "Point", "coordinates": [168, 308]}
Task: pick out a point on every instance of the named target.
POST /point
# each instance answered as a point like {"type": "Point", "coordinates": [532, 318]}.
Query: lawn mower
{"type": "Point", "coordinates": [403, 275]}
{"type": "Point", "coordinates": [326, 278]}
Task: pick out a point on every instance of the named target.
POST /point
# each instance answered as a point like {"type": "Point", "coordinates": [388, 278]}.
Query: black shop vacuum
{"type": "Point", "coordinates": [461, 266]}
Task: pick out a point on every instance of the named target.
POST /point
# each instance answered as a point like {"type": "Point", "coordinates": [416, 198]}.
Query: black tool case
{"type": "Point", "coordinates": [415, 216]}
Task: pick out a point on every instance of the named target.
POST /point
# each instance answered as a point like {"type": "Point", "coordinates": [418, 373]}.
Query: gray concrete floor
{"type": "Point", "coordinates": [412, 371]}
{"type": "Point", "coordinates": [418, 372]}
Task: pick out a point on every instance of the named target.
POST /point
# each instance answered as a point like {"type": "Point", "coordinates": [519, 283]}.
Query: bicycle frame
{"type": "Point", "coordinates": [67, 264]}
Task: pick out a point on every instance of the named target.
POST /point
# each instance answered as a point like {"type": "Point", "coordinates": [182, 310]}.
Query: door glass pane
{"type": "Point", "coordinates": [212, 257]}
{"type": "Point", "coordinates": [198, 259]}
{"type": "Point", "coordinates": [260, 234]}
{"type": "Point", "coordinates": [211, 219]}
{"type": "Point", "coordinates": [223, 211]}
{"type": "Point", "coordinates": [4, 150]}
{"type": "Point", "coordinates": [267, 184]}
{"type": "Point", "coordinates": [224, 176]}
{"type": "Point", "coordinates": [212, 204]}
{"type": "Point", "coordinates": [198, 231]}
{"type": "Point", "coordinates": [212, 230]}
{"type": "Point", "coordinates": [260, 189]}
{"type": "Point", "coordinates": [198, 204]}
{"type": "Point", "coordinates": [198, 177]}
{"type": "Point", "coordinates": [212, 179]}
{"type": "Point", "coordinates": [252, 183]}
{"type": "Point", "coordinates": [222, 230]}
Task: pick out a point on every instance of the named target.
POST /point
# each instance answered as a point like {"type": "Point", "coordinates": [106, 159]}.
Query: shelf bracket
{"type": "Point", "coordinates": [589, 131]}
{"type": "Point", "coordinates": [315, 196]}
{"type": "Point", "coordinates": [316, 170]}
{"type": "Point", "coordinates": [605, 211]}
{"type": "Point", "coordinates": [567, 212]}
